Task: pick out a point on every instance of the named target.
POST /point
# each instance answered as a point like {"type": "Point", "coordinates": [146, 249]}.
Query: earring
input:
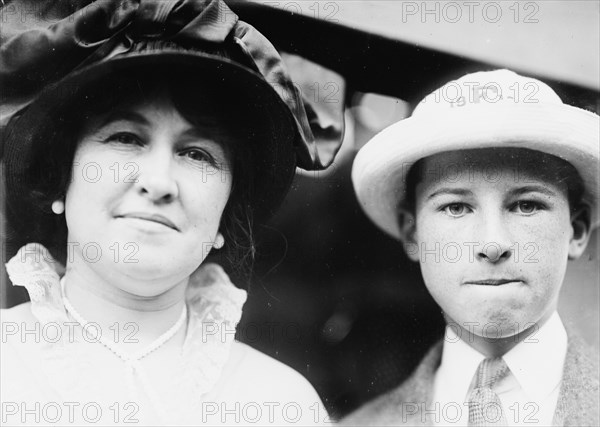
{"type": "Point", "coordinates": [58, 207]}
{"type": "Point", "coordinates": [219, 241]}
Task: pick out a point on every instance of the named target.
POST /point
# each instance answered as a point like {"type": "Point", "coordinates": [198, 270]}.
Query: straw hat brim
{"type": "Point", "coordinates": [380, 167]}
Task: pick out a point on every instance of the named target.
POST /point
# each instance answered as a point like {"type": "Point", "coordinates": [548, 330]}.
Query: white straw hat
{"type": "Point", "coordinates": [480, 110]}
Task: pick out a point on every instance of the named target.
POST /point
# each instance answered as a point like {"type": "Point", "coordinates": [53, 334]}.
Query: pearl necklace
{"type": "Point", "coordinates": [132, 361]}
{"type": "Point", "coordinates": [135, 357]}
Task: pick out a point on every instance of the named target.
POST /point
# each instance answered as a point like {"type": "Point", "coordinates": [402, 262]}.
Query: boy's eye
{"type": "Point", "coordinates": [127, 138]}
{"type": "Point", "coordinates": [455, 209]}
{"type": "Point", "coordinates": [527, 207]}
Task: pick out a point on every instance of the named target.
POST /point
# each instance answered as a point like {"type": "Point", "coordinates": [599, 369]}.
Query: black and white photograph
{"type": "Point", "coordinates": [308, 212]}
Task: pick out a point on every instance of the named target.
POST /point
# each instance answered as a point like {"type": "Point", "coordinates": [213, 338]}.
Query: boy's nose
{"type": "Point", "coordinates": [494, 252]}
{"type": "Point", "coordinates": [496, 244]}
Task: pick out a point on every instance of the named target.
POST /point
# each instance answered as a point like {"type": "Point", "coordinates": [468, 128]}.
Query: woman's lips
{"type": "Point", "coordinates": [150, 217]}
{"type": "Point", "coordinates": [492, 282]}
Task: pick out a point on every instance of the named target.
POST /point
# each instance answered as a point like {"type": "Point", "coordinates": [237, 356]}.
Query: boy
{"type": "Point", "coordinates": [491, 185]}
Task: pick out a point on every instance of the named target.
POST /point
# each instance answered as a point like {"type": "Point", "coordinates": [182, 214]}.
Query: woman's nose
{"type": "Point", "coordinates": [156, 179]}
{"type": "Point", "coordinates": [496, 244]}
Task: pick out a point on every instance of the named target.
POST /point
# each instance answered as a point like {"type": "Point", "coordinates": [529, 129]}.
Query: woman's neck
{"type": "Point", "coordinates": [130, 321]}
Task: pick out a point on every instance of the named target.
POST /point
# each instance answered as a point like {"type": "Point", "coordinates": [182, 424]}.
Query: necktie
{"type": "Point", "coordinates": [485, 408]}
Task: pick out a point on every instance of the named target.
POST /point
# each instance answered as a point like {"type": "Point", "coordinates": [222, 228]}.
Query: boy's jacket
{"type": "Point", "coordinates": [577, 404]}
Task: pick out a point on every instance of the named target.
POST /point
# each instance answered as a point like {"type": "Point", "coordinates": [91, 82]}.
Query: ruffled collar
{"type": "Point", "coordinates": [214, 307]}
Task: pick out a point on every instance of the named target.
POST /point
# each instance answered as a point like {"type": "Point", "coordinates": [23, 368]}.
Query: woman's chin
{"type": "Point", "coordinates": [153, 270]}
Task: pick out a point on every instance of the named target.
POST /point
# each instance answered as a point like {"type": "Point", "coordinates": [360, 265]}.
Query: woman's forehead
{"type": "Point", "coordinates": [150, 111]}
{"type": "Point", "coordinates": [145, 112]}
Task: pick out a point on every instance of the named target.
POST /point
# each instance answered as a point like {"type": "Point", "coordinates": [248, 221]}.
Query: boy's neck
{"type": "Point", "coordinates": [498, 347]}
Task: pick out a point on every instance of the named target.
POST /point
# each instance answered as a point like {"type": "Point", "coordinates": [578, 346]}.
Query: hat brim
{"type": "Point", "coordinates": [381, 166]}
{"type": "Point", "coordinates": [275, 154]}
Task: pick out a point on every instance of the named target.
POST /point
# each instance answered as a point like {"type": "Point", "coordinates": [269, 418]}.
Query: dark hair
{"type": "Point", "coordinates": [210, 106]}
{"type": "Point", "coordinates": [554, 170]}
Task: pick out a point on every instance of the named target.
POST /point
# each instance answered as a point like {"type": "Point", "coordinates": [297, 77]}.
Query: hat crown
{"type": "Point", "coordinates": [487, 88]}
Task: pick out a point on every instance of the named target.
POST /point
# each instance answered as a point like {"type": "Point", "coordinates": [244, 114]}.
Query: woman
{"type": "Point", "coordinates": [140, 136]}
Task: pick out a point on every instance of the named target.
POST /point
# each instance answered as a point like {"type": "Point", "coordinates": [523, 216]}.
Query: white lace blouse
{"type": "Point", "coordinates": [52, 372]}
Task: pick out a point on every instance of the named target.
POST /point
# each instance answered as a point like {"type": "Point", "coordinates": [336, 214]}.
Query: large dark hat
{"type": "Point", "coordinates": [50, 54]}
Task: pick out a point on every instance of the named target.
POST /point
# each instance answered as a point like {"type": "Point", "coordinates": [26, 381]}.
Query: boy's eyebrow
{"type": "Point", "coordinates": [532, 189]}
{"type": "Point", "coordinates": [451, 191]}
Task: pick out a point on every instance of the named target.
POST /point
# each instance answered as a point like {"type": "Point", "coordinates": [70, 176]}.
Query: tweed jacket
{"type": "Point", "coordinates": [577, 404]}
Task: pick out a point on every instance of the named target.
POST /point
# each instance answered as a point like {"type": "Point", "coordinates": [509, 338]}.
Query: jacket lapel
{"type": "Point", "coordinates": [579, 392]}
{"type": "Point", "coordinates": [577, 401]}
{"type": "Point", "coordinates": [405, 404]}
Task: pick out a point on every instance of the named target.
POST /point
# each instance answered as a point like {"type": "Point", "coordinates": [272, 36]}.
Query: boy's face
{"type": "Point", "coordinates": [492, 235]}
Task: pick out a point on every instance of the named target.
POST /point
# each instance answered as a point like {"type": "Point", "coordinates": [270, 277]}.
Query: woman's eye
{"type": "Point", "coordinates": [198, 155]}
{"type": "Point", "coordinates": [526, 207]}
{"type": "Point", "coordinates": [456, 209]}
{"type": "Point", "coordinates": [125, 138]}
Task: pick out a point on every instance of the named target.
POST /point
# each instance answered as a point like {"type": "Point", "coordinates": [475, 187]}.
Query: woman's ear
{"type": "Point", "coordinates": [408, 229]}
{"type": "Point", "coordinates": [581, 224]}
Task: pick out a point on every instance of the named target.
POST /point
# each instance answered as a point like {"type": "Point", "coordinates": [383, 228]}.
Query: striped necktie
{"type": "Point", "coordinates": [485, 408]}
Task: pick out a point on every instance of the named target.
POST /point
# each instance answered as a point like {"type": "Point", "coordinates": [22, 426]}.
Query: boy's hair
{"type": "Point", "coordinates": [555, 170]}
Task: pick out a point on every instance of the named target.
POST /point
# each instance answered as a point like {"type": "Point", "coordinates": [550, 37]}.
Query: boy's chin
{"type": "Point", "coordinates": [493, 326]}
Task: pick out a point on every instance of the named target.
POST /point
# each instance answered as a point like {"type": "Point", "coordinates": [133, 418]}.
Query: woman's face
{"type": "Point", "coordinates": [146, 197]}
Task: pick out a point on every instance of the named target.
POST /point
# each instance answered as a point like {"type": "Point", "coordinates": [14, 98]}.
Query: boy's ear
{"type": "Point", "coordinates": [408, 228]}
{"type": "Point", "coordinates": [581, 223]}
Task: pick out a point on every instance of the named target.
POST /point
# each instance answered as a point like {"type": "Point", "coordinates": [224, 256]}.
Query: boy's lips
{"type": "Point", "coordinates": [493, 282]}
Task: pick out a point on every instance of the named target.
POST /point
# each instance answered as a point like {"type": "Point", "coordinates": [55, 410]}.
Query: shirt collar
{"type": "Point", "coordinates": [459, 363]}
{"type": "Point", "coordinates": [537, 362]}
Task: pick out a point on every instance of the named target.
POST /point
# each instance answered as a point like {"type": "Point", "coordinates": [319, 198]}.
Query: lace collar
{"type": "Point", "coordinates": [214, 310]}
